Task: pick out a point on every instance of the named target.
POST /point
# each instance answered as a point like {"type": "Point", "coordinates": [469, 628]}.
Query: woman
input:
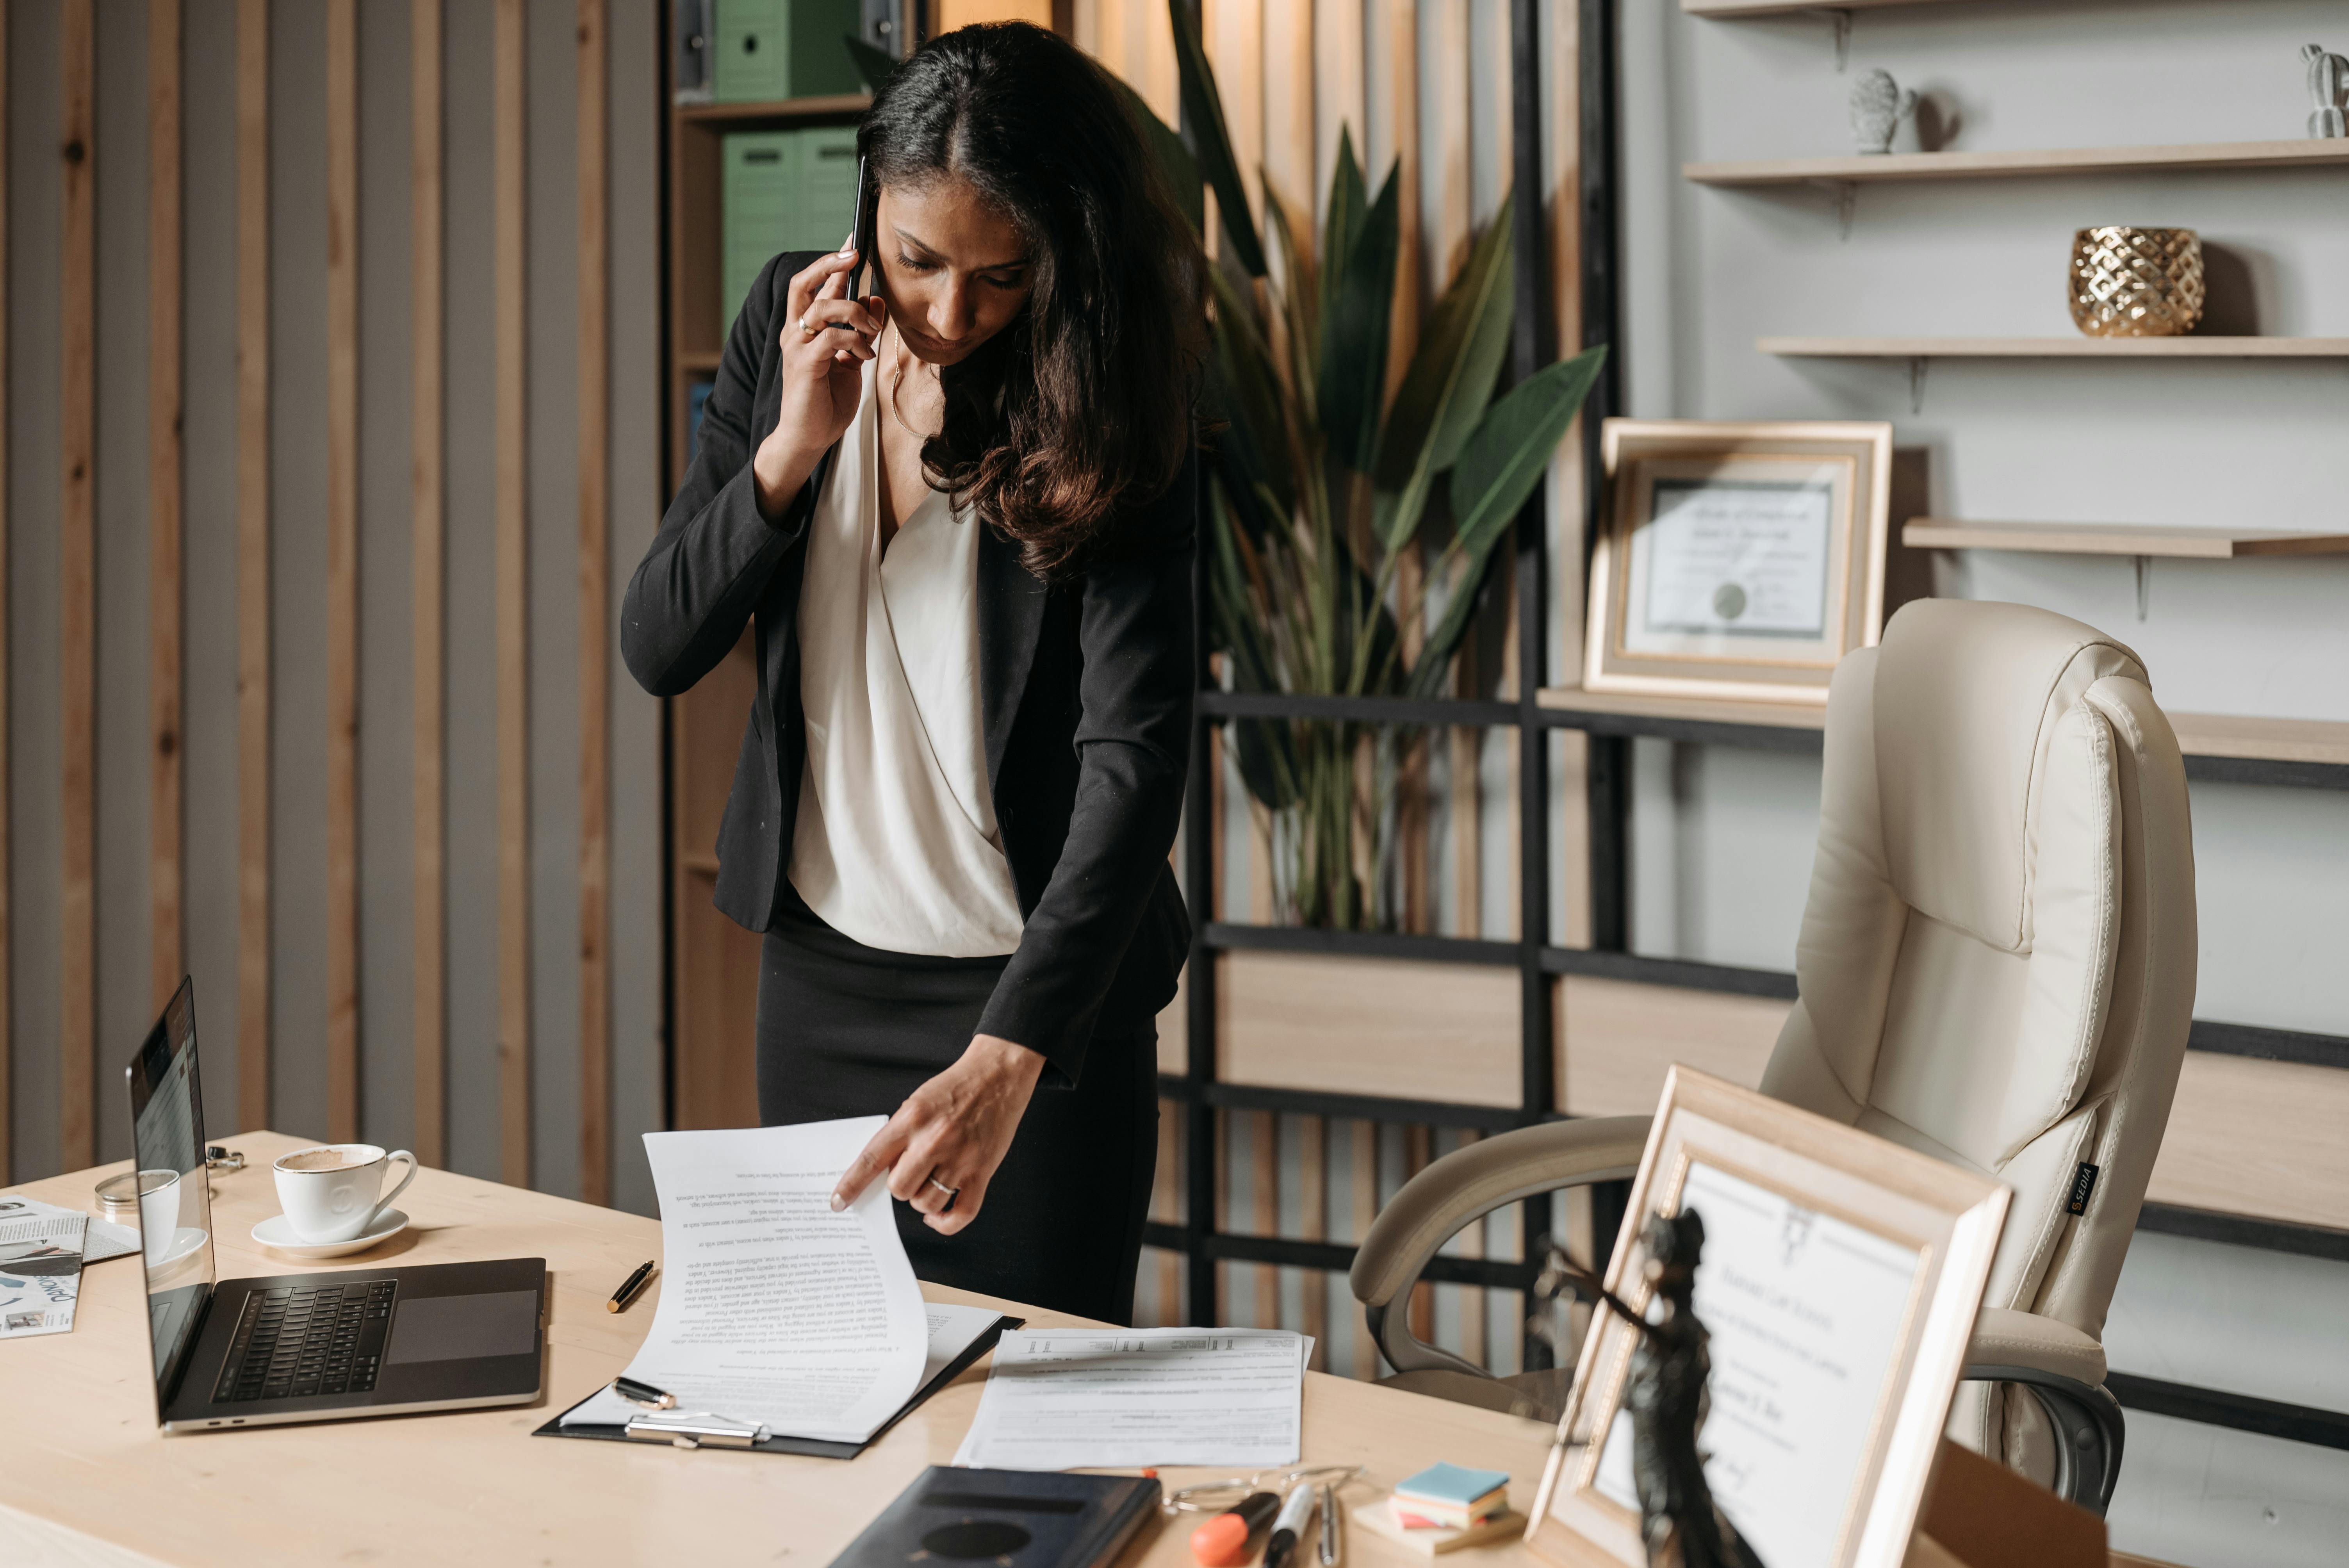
{"type": "Point", "coordinates": [957, 515]}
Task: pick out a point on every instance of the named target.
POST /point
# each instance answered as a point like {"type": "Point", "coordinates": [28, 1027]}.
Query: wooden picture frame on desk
{"type": "Point", "coordinates": [1737, 560]}
{"type": "Point", "coordinates": [1845, 1274]}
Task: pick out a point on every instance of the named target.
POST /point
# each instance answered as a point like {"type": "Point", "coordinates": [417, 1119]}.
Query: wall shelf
{"type": "Point", "coordinates": [2116, 539]}
{"type": "Point", "coordinates": [2189, 347]}
{"type": "Point", "coordinates": [1905, 166]}
{"type": "Point", "coordinates": [2232, 737]}
{"type": "Point", "coordinates": [1784, 8]}
{"type": "Point", "coordinates": [830, 106]}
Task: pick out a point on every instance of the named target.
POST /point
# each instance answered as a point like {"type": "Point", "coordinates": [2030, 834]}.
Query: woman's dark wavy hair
{"type": "Point", "coordinates": [1080, 410]}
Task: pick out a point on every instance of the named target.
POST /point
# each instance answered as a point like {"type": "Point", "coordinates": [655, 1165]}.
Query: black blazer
{"type": "Point", "coordinates": [1085, 694]}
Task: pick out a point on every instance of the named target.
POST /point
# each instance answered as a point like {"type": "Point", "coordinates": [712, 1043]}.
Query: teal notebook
{"type": "Point", "coordinates": [1452, 1483]}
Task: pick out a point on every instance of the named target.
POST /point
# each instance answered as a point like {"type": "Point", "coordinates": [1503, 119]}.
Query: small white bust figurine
{"type": "Point", "coordinates": [1878, 108]}
{"type": "Point", "coordinates": [2328, 87]}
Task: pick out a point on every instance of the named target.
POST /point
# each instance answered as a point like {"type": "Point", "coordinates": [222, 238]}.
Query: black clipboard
{"type": "Point", "coordinates": [810, 1446]}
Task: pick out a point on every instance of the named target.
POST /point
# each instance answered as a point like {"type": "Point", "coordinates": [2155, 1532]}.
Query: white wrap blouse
{"type": "Point", "coordinates": [896, 844]}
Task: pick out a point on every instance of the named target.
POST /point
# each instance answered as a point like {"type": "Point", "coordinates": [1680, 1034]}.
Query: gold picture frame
{"type": "Point", "coordinates": [1764, 567]}
{"type": "Point", "coordinates": [1846, 1274]}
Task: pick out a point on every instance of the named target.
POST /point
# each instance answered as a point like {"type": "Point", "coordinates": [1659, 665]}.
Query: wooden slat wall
{"type": "Point", "coordinates": [252, 560]}
{"type": "Point", "coordinates": [7, 920]}
{"type": "Point", "coordinates": [77, 592]}
{"type": "Point", "coordinates": [512, 596]}
{"type": "Point", "coordinates": [428, 733]}
{"type": "Point", "coordinates": [166, 943]}
{"type": "Point", "coordinates": [595, 609]}
{"type": "Point", "coordinates": [342, 571]}
{"type": "Point", "coordinates": [198, 607]}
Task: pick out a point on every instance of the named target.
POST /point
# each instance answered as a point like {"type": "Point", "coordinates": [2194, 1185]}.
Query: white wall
{"type": "Point", "coordinates": [1722, 839]}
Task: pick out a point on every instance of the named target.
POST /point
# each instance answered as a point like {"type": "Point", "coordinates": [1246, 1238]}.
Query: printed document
{"type": "Point", "coordinates": [774, 1309]}
{"type": "Point", "coordinates": [1069, 1398]}
{"type": "Point", "coordinates": [40, 1273]}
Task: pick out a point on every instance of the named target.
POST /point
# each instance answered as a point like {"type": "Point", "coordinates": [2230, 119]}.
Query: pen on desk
{"type": "Point", "coordinates": [636, 1393]}
{"type": "Point", "coordinates": [1329, 1550]}
{"type": "Point", "coordinates": [628, 1288]}
{"type": "Point", "coordinates": [1295, 1514]}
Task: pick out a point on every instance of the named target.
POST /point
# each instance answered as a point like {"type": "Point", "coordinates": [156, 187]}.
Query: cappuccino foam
{"type": "Point", "coordinates": [322, 1159]}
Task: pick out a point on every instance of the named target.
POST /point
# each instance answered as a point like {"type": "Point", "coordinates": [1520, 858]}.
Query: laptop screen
{"type": "Point", "coordinates": [175, 1227]}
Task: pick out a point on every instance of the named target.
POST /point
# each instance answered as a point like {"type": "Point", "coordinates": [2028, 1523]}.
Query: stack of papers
{"type": "Point", "coordinates": [774, 1311]}
{"type": "Point", "coordinates": [42, 1250]}
{"type": "Point", "coordinates": [1069, 1398]}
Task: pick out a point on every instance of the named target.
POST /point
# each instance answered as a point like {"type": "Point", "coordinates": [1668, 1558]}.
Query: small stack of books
{"type": "Point", "coordinates": [1443, 1509]}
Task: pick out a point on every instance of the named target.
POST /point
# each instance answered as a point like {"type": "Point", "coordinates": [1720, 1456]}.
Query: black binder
{"type": "Point", "coordinates": [1020, 1519]}
{"type": "Point", "coordinates": [811, 1445]}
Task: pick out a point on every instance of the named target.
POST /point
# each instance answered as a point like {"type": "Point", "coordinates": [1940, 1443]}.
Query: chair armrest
{"type": "Point", "coordinates": [2065, 1371]}
{"type": "Point", "coordinates": [2007, 1338]}
{"type": "Point", "coordinates": [1464, 1185]}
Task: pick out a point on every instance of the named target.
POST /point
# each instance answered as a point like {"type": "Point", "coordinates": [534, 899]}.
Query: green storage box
{"type": "Point", "coordinates": [781, 190]}
{"type": "Point", "coordinates": [767, 50]}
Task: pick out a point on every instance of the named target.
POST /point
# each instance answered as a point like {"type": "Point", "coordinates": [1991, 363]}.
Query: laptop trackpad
{"type": "Point", "coordinates": [460, 1327]}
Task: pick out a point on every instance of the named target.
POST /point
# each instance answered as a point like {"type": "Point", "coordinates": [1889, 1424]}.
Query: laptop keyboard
{"type": "Point", "coordinates": [295, 1341]}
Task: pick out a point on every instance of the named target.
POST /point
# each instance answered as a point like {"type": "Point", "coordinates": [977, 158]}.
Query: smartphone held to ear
{"type": "Point", "coordinates": [860, 233]}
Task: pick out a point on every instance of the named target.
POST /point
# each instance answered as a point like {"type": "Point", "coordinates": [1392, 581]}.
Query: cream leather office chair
{"type": "Point", "coordinates": [1996, 967]}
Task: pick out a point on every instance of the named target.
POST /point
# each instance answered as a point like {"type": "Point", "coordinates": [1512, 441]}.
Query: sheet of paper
{"type": "Point", "coordinates": [1805, 1312]}
{"type": "Point", "coordinates": [1069, 1398]}
{"type": "Point", "coordinates": [104, 1239]}
{"type": "Point", "coordinates": [774, 1309]}
{"type": "Point", "coordinates": [40, 1271]}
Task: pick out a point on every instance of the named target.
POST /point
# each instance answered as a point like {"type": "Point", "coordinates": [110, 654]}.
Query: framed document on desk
{"type": "Point", "coordinates": [1839, 1280]}
{"type": "Point", "coordinates": [1737, 560]}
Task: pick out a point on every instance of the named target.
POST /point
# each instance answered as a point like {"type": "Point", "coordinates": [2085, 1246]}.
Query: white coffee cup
{"type": "Point", "coordinates": [159, 1213]}
{"type": "Point", "coordinates": [329, 1190]}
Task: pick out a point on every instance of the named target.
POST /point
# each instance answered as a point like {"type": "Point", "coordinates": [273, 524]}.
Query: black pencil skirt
{"type": "Point", "coordinates": [850, 1030]}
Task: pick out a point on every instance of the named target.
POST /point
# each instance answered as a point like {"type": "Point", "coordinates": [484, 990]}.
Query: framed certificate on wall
{"type": "Point", "coordinates": [1737, 560]}
{"type": "Point", "coordinates": [1838, 1284]}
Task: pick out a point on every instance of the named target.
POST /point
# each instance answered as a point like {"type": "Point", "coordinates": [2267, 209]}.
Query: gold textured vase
{"type": "Point", "coordinates": [2136, 282]}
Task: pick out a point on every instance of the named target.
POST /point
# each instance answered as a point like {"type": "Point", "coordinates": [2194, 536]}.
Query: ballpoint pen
{"type": "Point", "coordinates": [1329, 1549]}
{"type": "Point", "coordinates": [628, 1288]}
{"type": "Point", "coordinates": [644, 1394]}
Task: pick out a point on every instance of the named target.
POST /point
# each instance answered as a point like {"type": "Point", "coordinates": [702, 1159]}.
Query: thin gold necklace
{"type": "Point", "coordinates": [897, 381]}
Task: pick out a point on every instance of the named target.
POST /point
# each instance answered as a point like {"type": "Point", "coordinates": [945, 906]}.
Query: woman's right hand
{"type": "Point", "coordinates": [823, 376]}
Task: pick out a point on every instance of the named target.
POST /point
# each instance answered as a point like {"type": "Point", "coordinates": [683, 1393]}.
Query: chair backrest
{"type": "Point", "coordinates": [1997, 961]}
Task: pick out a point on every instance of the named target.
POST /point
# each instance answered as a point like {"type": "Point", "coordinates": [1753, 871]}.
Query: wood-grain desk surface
{"type": "Point", "coordinates": [89, 1479]}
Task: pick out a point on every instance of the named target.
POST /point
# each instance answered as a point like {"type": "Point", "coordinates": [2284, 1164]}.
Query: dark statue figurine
{"type": "Point", "coordinates": [1666, 1397]}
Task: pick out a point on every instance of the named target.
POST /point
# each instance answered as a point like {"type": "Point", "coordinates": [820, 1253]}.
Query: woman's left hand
{"type": "Point", "coordinates": [955, 1128]}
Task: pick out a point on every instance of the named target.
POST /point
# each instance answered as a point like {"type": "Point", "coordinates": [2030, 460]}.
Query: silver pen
{"type": "Point", "coordinates": [1329, 1524]}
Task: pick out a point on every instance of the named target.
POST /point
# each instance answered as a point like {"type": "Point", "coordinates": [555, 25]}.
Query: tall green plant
{"type": "Point", "coordinates": [1321, 486]}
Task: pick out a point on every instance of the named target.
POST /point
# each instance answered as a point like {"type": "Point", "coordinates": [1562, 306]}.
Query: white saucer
{"type": "Point", "coordinates": [276, 1233]}
{"type": "Point", "coordinates": [185, 1241]}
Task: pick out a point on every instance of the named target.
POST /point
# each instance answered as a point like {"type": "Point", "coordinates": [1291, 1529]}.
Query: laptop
{"type": "Point", "coordinates": [331, 1346]}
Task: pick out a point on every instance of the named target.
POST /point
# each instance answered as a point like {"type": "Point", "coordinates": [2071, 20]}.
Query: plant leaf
{"type": "Point", "coordinates": [1448, 385]}
{"type": "Point", "coordinates": [1347, 202]}
{"type": "Point", "coordinates": [1504, 460]}
{"type": "Point", "coordinates": [1205, 107]}
{"type": "Point", "coordinates": [1245, 391]}
{"type": "Point", "coordinates": [1167, 151]}
{"type": "Point", "coordinates": [875, 66]}
{"type": "Point", "coordinates": [1298, 313]}
{"type": "Point", "coordinates": [1358, 309]}
{"type": "Point", "coordinates": [1495, 475]}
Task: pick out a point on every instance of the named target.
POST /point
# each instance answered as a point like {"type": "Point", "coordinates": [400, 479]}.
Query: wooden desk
{"type": "Point", "coordinates": [93, 1483]}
